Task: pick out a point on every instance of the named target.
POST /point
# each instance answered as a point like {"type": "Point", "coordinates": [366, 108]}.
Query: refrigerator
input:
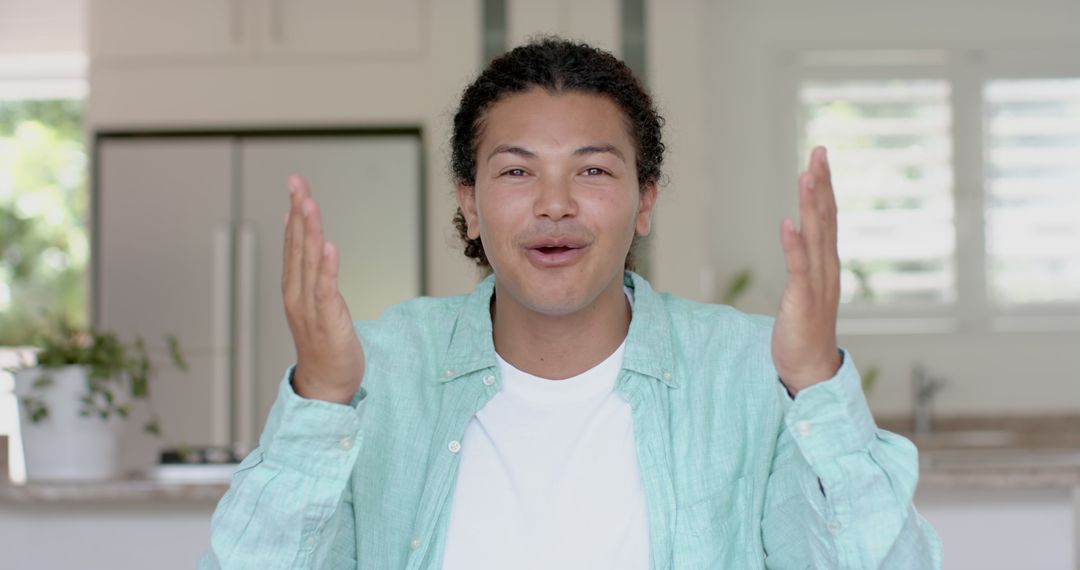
{"type": "Point", "coordinates": [187, 240]}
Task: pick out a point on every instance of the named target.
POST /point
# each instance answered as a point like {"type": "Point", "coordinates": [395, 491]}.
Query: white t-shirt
{"type": "Point", "coordinates": [549, 477]}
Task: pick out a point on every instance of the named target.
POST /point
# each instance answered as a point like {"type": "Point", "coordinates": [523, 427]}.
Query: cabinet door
{"type": "Point", "coordinates": [345, 27]}
{"type": "Point", "coordinates": [368, 189]}
{"type": "Point", "coordinates": [152, 29]}
{"type": "Point", "coordinates": [164, 208]}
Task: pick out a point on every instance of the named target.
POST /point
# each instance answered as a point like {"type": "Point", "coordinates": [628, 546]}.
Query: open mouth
{"type": "Point", "coordinates": [554, 249]}
{"type": "Point", "coordinates": [548, 256]}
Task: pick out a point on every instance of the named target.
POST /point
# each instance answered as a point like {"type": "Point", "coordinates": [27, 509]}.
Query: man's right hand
{"type": "Point", "coordinates": [329, 358]}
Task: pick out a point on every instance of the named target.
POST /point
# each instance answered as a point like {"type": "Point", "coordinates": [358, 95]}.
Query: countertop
{"type": "Point", "coordinates": [970, 452]}
{"type": "Point", "coordinates": [113, 491]}
{"type": "Point", "coordinates": [996, 452]}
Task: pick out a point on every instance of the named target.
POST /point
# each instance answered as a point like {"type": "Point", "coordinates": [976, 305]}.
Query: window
{"type": "Point", "coordinates": [43, 199]}
{"type": "Point", "coordinates": [1033, 190]}
{"type": "Point", "coordinates": [892, 163]}
{"type": "Point", "coordinates": [958, 188]}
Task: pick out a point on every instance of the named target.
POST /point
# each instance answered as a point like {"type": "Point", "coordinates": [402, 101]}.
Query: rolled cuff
{"type": "Point", "coordinates": [832, 418]}
{"type": "Point", "coordinates": [315, 436]}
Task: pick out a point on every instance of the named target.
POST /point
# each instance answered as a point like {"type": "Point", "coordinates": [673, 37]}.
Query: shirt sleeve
{"type": "Point", "coordinates": [289, 504]}
{"type": "Point", "coordinates": [840, 490]}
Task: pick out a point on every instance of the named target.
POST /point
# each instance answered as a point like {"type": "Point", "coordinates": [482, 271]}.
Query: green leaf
{"type": "Point", "coordinates": [152, 427]}
{"type": "Point", "coordinates": [36, 409]}
{"type": "Point", "coordinates": [174, 352]}
{"type": "Point", "coordinates": [43, 381]}
{"type": "Point", "coordinates": [736, 287]}
{"type": "Point", "coordinates": [139, 386]}
{"type": "Point", "coordinates": [869, 379]}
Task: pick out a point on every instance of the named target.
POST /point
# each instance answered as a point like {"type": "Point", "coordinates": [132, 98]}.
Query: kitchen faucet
{"type": "Point", "coordinates": [923, 390]}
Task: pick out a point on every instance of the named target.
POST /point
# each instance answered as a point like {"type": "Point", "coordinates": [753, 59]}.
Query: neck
{"type": "Point", "coordinates": [561, 346]}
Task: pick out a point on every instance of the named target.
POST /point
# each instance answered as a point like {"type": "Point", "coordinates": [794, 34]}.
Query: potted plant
{"type": "Point", "coordinates": [73, 401]}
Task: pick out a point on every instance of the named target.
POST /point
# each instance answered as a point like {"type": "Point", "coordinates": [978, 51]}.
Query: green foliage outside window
{"type": "Point", "coordinates": [43, 208]}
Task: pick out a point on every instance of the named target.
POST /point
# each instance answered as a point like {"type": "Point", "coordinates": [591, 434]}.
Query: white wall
{"type": "Point", "coordinates": [717, 68]}
{"type": "Point", "coordinates": [37, 26]}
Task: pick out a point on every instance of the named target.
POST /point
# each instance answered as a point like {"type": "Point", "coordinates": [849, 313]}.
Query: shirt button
{"type": "Point", "coordinates": [415, 543]}
{"type": "Point", "coordinates": [454, 447]}
{"type": "Point", "coordinates": [311, 542]}
{"type": "Point", "coordinates": [667, 375]}
{"type": "Point", "coordinates": [345, 443]}
{"type": "Point", "coordinates": [489, 380]}
{"type": "Point", "coordinates": [835, 526]}
{"type": "Point", "coordinates": [449, 373]}
{"type": "Point", "coordinates": [804, 427]}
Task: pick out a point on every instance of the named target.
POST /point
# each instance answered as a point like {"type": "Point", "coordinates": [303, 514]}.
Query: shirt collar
{"type": "Point", "coordinates": [648, 342]}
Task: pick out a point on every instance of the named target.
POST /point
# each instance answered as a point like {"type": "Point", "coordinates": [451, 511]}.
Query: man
{"type": "Point", "coordinates": [563, 414]}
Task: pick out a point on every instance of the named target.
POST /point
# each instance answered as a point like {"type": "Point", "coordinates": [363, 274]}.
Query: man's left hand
{"type": "Point", "coordinates": [804, 346]}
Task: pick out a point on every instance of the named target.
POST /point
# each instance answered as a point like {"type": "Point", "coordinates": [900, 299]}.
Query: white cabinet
{"type": "Point", "coordinates": [189, 241]}
{"type": "Point", "coordinates": [344, 27]}
{"type": "Point", "coordinates": [1003, 528]}
{"type": "Point", "coordinates": [132, 30]}
{"type": "Point", "coordinates": [150, 29]}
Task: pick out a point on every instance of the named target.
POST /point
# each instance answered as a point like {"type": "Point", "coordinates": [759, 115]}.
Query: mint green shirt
{"type": "Point", "coordinates": [736, 473]}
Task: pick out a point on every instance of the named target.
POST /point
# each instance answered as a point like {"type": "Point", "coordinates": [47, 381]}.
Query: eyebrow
{"type": "Point", "coordinates": [585, 150]}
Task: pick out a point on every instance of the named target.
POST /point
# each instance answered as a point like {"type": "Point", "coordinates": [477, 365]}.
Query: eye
{"type": "Point", "coordinates": [515, 172]}
{"type": "Point", "coordinates": [595, 171]}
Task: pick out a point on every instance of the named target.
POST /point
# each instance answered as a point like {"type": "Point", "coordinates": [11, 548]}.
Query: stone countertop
{"type": "Point", "coordinates": [1000, 478]}
{"type": "Point", "coordinates": [963, 453]}
{"type": "Point", "coordinates": [996, 452]}
{"type": "Point", "coordinates": [113, 491]}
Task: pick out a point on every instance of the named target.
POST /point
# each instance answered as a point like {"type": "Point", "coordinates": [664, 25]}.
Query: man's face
{"type": "Point", "coordinates": [556, 201]}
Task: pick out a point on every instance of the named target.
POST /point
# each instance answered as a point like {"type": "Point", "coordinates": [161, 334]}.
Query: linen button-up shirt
{"type": "Point", "coordinates": [736, 473]}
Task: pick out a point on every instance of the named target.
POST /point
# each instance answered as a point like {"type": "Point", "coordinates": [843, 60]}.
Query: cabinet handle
{"type": "Point", "coordinates": [245, 337]}
{"type": "Point", "coordinates": [237, 21]}
{"type": "Point", "coordinates": [220, 392]}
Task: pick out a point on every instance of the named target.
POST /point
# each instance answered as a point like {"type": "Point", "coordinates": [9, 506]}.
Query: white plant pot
{"type": "Point", "coordinates": [65, 446]}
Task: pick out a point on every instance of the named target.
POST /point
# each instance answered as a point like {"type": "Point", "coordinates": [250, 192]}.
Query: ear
{"type": "Point", "coordinates": [647, 199]}
{"type": "Point", "coordinates": [466, 199]}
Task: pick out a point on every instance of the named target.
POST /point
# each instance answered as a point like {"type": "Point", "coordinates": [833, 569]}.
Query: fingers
{"type": "Point", "coordinates": [312, 250]}
{"type": "Point", "coordinates": [826, 199]}
{"type": "Point", "coordinates": [795, 254]}
{"type": "Point", "coordinates": [310, 269]}
{"type": "Point", "coordinates": [811, 225]}
{"type": "Point", "coordinates": [326, 286]}
{"type": "Point", "coordinates": [818, 227]}
{"type": "Point", "coordinates": [292, 266]}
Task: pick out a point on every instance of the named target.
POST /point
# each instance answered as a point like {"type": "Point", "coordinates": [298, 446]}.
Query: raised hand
{"type": "Point", "coordinates": [329, 358]}
{"type": "Point", "coordinates": [804, 346]}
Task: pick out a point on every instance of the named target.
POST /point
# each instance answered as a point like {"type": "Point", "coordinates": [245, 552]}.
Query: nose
{"type": "Point", "coordinates": [554, 199]}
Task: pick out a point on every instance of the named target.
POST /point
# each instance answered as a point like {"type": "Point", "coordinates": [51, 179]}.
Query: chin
{"type": "Point", "coordinates": [556, 297]}
{"type": "Point", "coordinates": [551, 292]}
{"type": "Point", "coordinates": [553, 299]}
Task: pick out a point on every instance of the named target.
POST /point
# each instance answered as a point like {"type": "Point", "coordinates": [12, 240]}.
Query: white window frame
{"type": "Point", "coordinates": [966, 71]}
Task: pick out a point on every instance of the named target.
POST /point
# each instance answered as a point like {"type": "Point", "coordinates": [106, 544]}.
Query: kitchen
{"type": "Point", "coordinates": [217, 102]}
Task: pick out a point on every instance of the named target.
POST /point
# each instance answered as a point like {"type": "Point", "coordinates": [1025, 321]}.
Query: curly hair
{"type": "Point", "coordinates": [556, 65]}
